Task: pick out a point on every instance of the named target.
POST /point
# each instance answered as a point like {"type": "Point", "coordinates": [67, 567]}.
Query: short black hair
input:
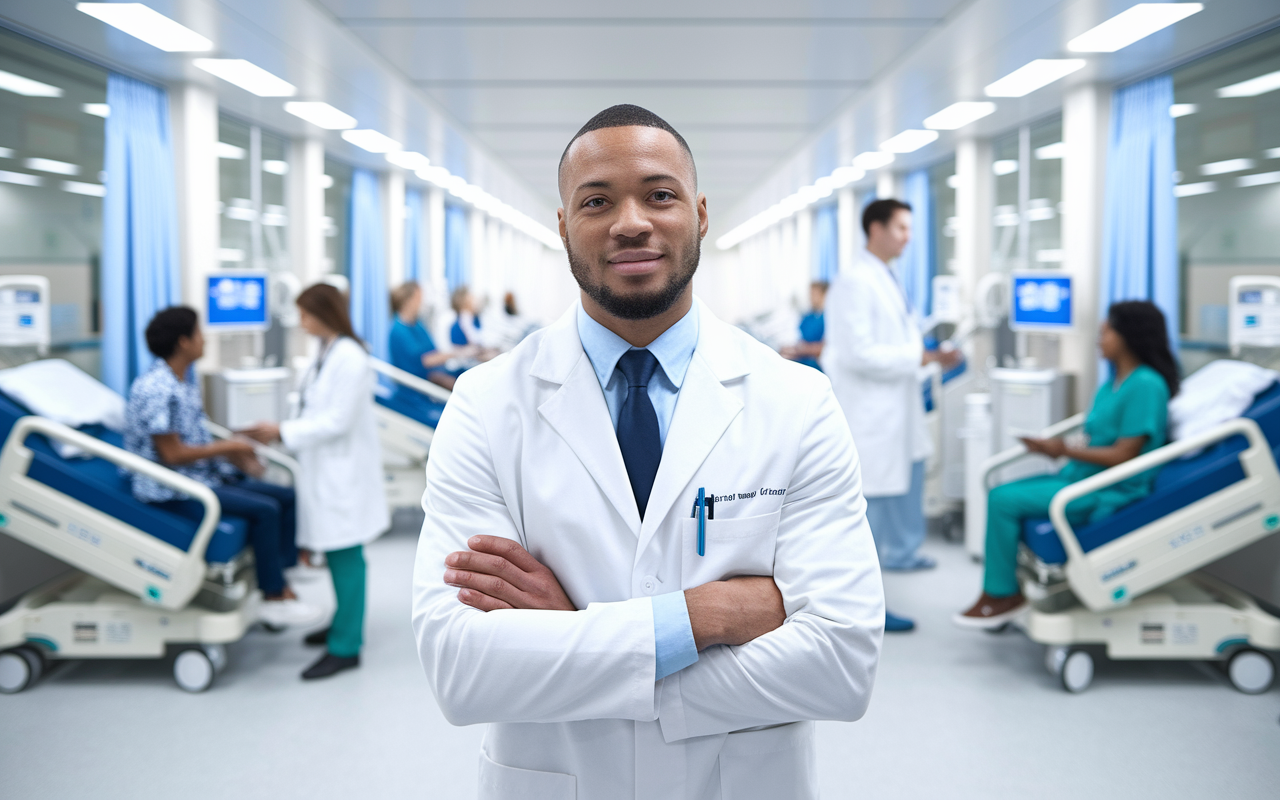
{"type": "Point", "coordinates": [625, 115]}
{"type": "Point", "coordinates": [881, 211]}
{"type": "Point", "coordinates": [167, 327]}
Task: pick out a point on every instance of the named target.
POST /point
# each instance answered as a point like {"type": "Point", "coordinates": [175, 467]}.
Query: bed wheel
{"type": "Point", "coordinates": [193, 670]}
{"type": "Point", "coordinates": [1250, 671]}
{"type": "Point", "coordinates": [19, 669]}
{"type": "Point", "coordinates": [1077, 671]}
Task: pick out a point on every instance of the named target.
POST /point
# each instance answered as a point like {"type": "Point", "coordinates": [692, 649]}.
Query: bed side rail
{"type": "Point", "coordinates": [1183, 541]}
{"type": "Point", "coordinates": [435, 392]}
{"type": "Point", "coordinates": [96, 542]}
{"type": "Point", "coordinates": [1006, 457]}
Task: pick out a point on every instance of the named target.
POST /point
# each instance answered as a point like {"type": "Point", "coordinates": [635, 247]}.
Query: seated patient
{"type": "Point", "coordinates": [411, 348]}
{"type": "Point", "coordinates": [1128, 418]}
{"type": "Point", "coordinates": [164, 422]}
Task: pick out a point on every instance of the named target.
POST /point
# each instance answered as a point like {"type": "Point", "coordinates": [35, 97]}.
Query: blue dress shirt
{"type": "Point", "coordinates": [672, 632]}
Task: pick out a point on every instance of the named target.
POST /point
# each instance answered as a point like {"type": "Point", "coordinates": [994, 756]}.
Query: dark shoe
{"type": "Point", "coordinates": [895, 624]}
{"type": "Point", "coordinates": [992, 612]}
{"type": "Point", "coordinates": [329, 664]}
{"type": "Point", "coordinates": [317, 638]}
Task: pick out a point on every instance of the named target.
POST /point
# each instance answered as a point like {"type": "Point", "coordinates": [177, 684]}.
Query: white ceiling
{"type": "Point", "coordinates": [770, 95]}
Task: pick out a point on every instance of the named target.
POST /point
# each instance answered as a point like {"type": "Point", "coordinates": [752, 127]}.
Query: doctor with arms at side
{"type": "Point", "coordinates": [341, 500]}
{"type": "Point", "coordinates": [624, 640]}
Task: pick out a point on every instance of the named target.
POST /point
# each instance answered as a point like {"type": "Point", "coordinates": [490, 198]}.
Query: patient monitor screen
{"type": "Point", "coordinates": [1041, 301]}
{"type": "Point", "coordinates": [238, 302]}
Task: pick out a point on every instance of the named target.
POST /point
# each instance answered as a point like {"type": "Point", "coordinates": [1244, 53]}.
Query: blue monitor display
{"type": "Point", "coordinates": [1041, 301]}
{"type": "Point", "coordinates": [237, 301]}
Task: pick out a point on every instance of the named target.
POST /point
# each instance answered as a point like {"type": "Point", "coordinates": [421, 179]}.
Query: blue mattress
{"type": "Point", "coordinates": [413, 405]}
{"type": "Point", "coordinates": [98, 483]}
{"type": "Point", "coordinates": [1178, 484]}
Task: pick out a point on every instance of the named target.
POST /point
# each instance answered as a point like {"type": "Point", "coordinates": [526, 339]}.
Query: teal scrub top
{"type": "Point", "coordinates": [1138, 406]}
{"type": "Point", "coordinates": [409, 343]}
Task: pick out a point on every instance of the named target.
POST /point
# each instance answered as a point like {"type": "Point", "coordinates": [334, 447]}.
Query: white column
{"type": "Point", "coordinates": [392, 186]}
{"type": "Point", "coordinates": [887, 185]}
{"type": "Point", "coordinates": [973, 212]}
{"type": "Point", "coordinates": [846, 227]}
{"type": "Point", "coordinates": [1086, 120]}
{"type": "Point", "coordinates": [193, 113]}
{"type": "Point", "coordinates": [305, 188]}
{"type": "Point", "coordinates": [802, 272]}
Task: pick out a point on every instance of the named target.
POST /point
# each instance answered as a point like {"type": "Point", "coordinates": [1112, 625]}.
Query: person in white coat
{"type": "Point", "coordinates": [873, 354]}
{"type": "Point", "coordinates": [341, 501]}
{"type": "Point", "coordinates": [624, 639]}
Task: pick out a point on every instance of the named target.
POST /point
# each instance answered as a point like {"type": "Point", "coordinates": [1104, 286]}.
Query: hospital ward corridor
{"type": "Point", "coordinates": [605, 400]}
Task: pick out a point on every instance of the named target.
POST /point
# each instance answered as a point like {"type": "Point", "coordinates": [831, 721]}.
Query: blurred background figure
{"type": "Point", "coordinates": [812, 329]}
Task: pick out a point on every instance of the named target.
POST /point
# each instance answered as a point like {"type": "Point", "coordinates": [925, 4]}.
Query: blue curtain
{"type": "Point", "coordinates": [916, 265]}
{"type": "Point", "coordinates": [1140, 217]}
{"type": "Point", "coordinates": [826, 244]}
{"type": "Point", "coordinates": [366, 257]}
{"type": "Point", "coordinates": [457, 247]}
{"type": "Point", "coordinates": [140, 270]}
{"type": "Point", "coordinates": [413, 235]}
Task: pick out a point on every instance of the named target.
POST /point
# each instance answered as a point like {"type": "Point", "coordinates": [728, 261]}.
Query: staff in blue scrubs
{"type": "Point", "coordinates": [411, 347]}
{"type": "Point", "coordinates": [812, 329]}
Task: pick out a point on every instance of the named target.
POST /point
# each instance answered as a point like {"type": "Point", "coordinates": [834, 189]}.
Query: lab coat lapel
{"type": "Point", "coordinates": [703, 413]}
{"type": "Point", "coordinates": [577, 412]}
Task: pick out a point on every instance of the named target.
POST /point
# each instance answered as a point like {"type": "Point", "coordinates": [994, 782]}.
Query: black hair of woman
{"type": "Point", "coordinates": [1144, 330]}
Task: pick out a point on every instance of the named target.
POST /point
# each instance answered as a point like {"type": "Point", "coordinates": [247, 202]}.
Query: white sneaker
{"type": "Point", "coordinates": [287, 613]}
{"type": "Point", "coordinates": [305, 574]}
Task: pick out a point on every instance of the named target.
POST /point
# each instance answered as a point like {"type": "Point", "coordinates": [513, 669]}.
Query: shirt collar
{"type": "Point", "coordinates": [673, 349]}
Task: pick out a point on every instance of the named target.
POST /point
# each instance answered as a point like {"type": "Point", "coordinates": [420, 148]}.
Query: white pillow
{"type": "Point", "coordinates": [62, 392]}
{"type": "Point", "coordinates": [1217, 392]}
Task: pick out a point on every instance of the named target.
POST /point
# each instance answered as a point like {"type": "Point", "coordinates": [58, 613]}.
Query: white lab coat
{"type": "Point", "coordinates": [872, 352]}
{"type": "Point", "coordinates": [341, 497]}
{"type": "Point", "coordinates": [526, 450]}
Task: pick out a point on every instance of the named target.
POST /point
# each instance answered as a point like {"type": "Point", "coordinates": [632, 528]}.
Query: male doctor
{"type": "Point", "coordinates": [873, 354]}
{"type": "Point", "coordinates": [624, 640]}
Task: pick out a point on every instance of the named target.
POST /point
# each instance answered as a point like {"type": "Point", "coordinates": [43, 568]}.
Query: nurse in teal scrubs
{"type": "Point", "coordinates": [1128, 419]}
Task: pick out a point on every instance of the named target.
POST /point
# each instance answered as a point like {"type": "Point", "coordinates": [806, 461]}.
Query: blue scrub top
{"type": "Point", "coordinates": [813, 327]}
{"type": "Point", "coordinates": [409, 343]}
{"type": "Point", "coordinates": [456, 334]}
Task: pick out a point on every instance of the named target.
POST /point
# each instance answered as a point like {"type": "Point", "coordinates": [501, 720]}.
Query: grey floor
{"type": "Point", "coordinates": [956, 714]}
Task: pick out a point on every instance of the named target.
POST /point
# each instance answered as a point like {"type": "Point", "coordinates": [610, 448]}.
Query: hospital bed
{"type": "Point", "coordinates": [1129, 582]}
{"type": "Point", "coordinates": [407, 413]}
{"type": "Point", "coordinates": [145, 581]}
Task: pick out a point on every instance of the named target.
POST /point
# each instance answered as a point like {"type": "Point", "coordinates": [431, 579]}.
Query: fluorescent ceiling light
{"type": "Point", "coordinates": [96, 109]}
{"type": "Point", "coordinates": [1037, 74]}
{"type": "Point", "coordinates": [957, 115]}
{"type": "Point", "coordinates": [1258, 179]}
{"type": "Point", "coordinates": [5, 152]}
{"type": "Point", "coordinates": [230, 152]}
{"type": "Point", "coordinates": [371, 140]}
{"type": "Point", "coordinates": [247, 76]}
{"type": "Point", "coordinates": [1182, 109]}
{"type": "Point", "coordinates": [909, 141]}
{"type": "Point", "coordinates": [1051, 151]}
{"type": "Point", "coordinates": [1005, 166]}
{"type": "Point", "coordinates": [20, 178]}
{"type": "Point", "coordinates": [1252, 87]}
{"type": "Point", "coordinates": [1272, 153]}
{"type": "Point", "coordinates": [843, 176]}
{"type": "Point", "coordinates": [1129, 26]}
{"type": "Point", "coordinates": [78, 187]}
{"type": "Point", "coordinates": [1190, 189]}
{"type": "Point", "coordinates": [49, 165]}
{"type": "Point", "coordinates": [322, 115]}
{"type": "Point", "coordinates": [1223, 167]}
{"type": "Point", "coordinates": [27, 87]}
{"type": "Point", "coordinates": [409, 160]}
{"type": "Point", "coordinates": [873, 160]}
{"type": "Point", "coordinates": [149, 25]}
{"type": "Point", "coordinates": [437, 175]}
{"type": "Point", "coordinates": [275, 167]}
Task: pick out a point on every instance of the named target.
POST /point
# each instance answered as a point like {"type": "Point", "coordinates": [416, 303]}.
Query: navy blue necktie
{"type": "Point", "coordinates": [638, 436]}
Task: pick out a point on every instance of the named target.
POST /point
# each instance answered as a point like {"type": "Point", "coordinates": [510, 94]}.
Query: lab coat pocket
{"type": "Point", "coordinates": [774, 762]}
{"type": "Point", "coordinates": [500, 782]}
{"type": "Point", "coordinates": [733, 547]}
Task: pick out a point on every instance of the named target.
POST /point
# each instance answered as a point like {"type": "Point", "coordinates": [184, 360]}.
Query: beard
{"type": "Point", "coordinates": [639, 306]}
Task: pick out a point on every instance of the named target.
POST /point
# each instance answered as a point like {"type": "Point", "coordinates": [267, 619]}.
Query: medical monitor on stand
{"type": "Point", "coordinates": [1041, 302]}
{"type": "Point", "coordinates": [237, 301]}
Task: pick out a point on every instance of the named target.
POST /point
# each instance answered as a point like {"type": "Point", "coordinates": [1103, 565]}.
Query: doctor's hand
{"type": "Point", "coordinates": [265, 432]}
{"type": "Point", "coordinates": [498, 573]}
{"type": "Point", "coordinates": [735, 611]}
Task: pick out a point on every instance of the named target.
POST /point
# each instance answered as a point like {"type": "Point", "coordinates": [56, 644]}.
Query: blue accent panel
{"type": "Point", "coordinates": [1178, 484]}
{"type": "Point", "coordinates": [826, 244]}
{"type": "Point", "coordinates": [368, 264]}
{"type": "Point", "coordinates": [98, 483]}
{"type": "Point", "coordinates": [413, 235]}
{"type": "Point", "coordinates": [457, 247]}
{"type": "Point", "coordinates": [918, 264]}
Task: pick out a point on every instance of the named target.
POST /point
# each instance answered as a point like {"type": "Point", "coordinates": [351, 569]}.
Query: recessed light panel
{"type": "Point", "coordinates": [1035, 75]}
{"type": "Point", "coordinates": [322, 115]}
{"type": "Point", "coordinates": [872, 160]}
{"type": "Point", "coordinates": [908, 141]}
{"type": "Point", "coordinates": [1127, 27]}
{"type": "Point", "coordinates": [1252, 87]}
{"type": "Point", "coordinates": [957, 115]}
{"type": "Point", "coordinates": [149, 25]}
{"type": "Point", "coordinates": [371, 140]}
{"type": "Point", "coordinates": [49, 165]}
{"type": "Point", "coordinates": [1224, 167]}
{"type": "Point", "coordinates": [27, 87]}
{"type": "Point", "coordinates": [247, 76]}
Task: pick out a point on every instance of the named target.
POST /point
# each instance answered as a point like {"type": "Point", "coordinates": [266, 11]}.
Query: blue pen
{"type": "Point", "coordinates": [702, 522]}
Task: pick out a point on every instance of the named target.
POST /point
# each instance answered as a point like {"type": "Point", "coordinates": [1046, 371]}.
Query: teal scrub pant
{"type": "Point", "coordinates": [1008, 506]}
{"type": "Point", "coordinates": [346, 632]}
